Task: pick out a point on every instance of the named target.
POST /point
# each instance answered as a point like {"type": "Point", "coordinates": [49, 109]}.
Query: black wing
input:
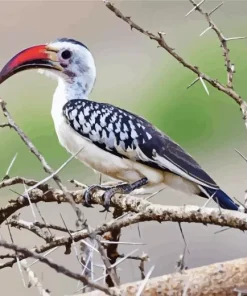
{"type": "Point", "coordinates": [127, 135]}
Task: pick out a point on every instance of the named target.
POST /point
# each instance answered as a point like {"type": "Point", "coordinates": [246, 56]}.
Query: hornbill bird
{"type": "Point", "coordinates": [114, 142]}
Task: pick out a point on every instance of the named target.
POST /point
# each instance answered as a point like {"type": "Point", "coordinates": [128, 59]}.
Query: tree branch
{"type": "Point", "coordinates": [55, 266]}
{"type": "Point", "coordinates": [227, 89]}
{"type": "Point", "coordinates": [41, 158]}
{"type": "Point", "coordinates": [21, 180]}
{"type": "Point", "coordinates": [20, 224]}
{"type": "Point", "coordinates": [215, 279]}
{"type": "Point", "coordinates": [145, 210]}
{"type": "Point", "coordinates": [223, 41]}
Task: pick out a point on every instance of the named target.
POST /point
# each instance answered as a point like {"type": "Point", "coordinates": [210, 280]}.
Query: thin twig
{"type": "Point", "coordinates": [5, 125]}
{"type": "Point", "coordinates": [143, 284]}
{"type": "Point", "coordinates": [10, 166]}
{"type": "Point", "coordinates": [223, 40]}
{"type": "Point", "coordinates": [195, 7]}
{"type": "Point", "coordinates": [227, 89]}
{"type": "Point", "coordinates": [20, 180]}
{"type": "Point", "coordinates": [55, 266]}
{"type": "Point", "coordinates": [151, 212]}
{"type": "Point", "coordinates": [43, 219]}
{"type": "Point", "coordinates": [113, 278]}
{"type": "Point", "coordinates": [216, 8]}
{"type": "Point", "coordinates": [21, 224]}
{"type": "Point", "coordinates": [40, 157]}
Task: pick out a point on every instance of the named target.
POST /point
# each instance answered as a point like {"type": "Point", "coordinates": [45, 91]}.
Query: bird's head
{"type": "Point", "coordinates": [65, 58]}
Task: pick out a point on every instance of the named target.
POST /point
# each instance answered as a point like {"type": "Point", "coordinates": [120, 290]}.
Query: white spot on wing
{"type": "Point", "coordinates": [114, 117]}
{"type": "Point", "coordinates": [86, 128]}
{"type": "Point", "coordinates": [125, 127]}
{"type": "Point", "coordinates": [76, 124]}
{"type": "Point", "coordinates": [98, 127]}
{"type": "Point", "coordinates": [92, 118]}
{"type": "Point", "coordinates": [81, 117]}
{"type": "Point", "coordinates": [86, 111]}
{"type": "Point", "coordinates": [134, 134]}
{"type": "Point", "coordinates": [103, 118]}
{"type": "Point", "coordinates": [110, 127]}
{"type": "Point", "coordinates": [73, 114]}
{"type": "Point", "coordinates": [149, 136]}
{"type": "Point", "coordinates": [118, 125]}
{"type": "Point", "coordinates": [123, 136]}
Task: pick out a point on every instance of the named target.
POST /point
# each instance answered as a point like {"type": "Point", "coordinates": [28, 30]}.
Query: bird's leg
{"type": "Point", "coordinates": [91, 189]}
{"type": "Point", "coordinates": [122, 189]}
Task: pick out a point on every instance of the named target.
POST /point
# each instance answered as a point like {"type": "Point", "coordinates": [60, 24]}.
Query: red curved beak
{"type": "Point", "coordinates": [39, 56]}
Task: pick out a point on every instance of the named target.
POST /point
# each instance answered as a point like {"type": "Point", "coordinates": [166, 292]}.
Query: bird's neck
{"type": "Point", "coordinates": [76, 87]}
{"type": "Point", "coordinates": [73, 89]}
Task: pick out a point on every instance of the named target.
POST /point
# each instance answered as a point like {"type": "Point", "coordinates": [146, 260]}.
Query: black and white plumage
{"type": "Point", "coordinates": [129, 136]}
{"type": "Point", "coordinates": [114, 141]}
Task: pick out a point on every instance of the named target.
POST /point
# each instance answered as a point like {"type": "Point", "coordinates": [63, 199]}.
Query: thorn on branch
{"type": "Point", "coordinates": [144, 282]}
{"type": "Point", "coordinates": [161, 33]}
{"type": "Point", "coordinates": [235, 38]}
{"type": "Point", "coordinates": [196, 6]}
{"type": "Point", "coordinates": [216, 8]}
{"type": "Point", "coordinates": [53, 265]}
{"type": "Point", "coordinates": [204, 85]}
{"type": "Point", "coordinates": [193, 82]}
{"type": "Point", "coordinates": [205, 31]}
{"type": "Point", "coordinates": [7, 174]}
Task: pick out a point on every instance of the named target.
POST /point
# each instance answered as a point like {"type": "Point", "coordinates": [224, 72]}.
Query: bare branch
{"type": "Point", "coordinates": [21, 180]}
{"type": "Point", "coordinates": [25, 139]}
{"type": "Point", "coordinates": [223, 40]}
{"type": "Point", "coordinates": [40, 157]}
{"type": "Point", "coordinates": [52, 226]}
{"type": "Point", "coordinates": [215, 279]}
{"type": "Point", "coordinates": [5, 125]}
{"type": "Point", "coordinates": [20, 224]}
{"type": "Point", "coordinates": [146, 211]}
{"type": "Point", "coordinates": [227, 89]}
{"type": "Point", "coordinates": [33, 280]}
{"type": "Point", "coordinates": [113, 279]}
{"type": "Point", "coordinates": [195, 7]}
{"type": "Point", "coordinates": [55, 266]}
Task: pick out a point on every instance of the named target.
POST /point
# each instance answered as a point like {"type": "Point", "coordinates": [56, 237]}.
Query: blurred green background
{"type": "Point", "coordinates": [134, 74]}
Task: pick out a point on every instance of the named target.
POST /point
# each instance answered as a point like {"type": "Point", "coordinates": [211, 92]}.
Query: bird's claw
{"type": "Point", "coordinates": [87, 195]}
{"type": "Point", "coordinates": [107, 199]}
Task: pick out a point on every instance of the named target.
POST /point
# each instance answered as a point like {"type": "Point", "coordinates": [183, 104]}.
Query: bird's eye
{"type": "Point", "coordinates": [66, 54]}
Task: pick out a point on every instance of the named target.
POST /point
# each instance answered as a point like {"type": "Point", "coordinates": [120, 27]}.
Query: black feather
{"type": "Point", "coordinates": [71, 41]}
{"type": "Point", "coordinates": [138, 133]}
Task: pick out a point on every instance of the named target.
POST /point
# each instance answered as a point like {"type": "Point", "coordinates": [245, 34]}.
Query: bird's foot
{"type": "Point", "coordinates": [121, 189]}
{"type": "Point", "coordinates": [88, 193]}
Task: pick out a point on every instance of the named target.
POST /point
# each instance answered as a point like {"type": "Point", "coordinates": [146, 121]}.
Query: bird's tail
{"type": "Point", "coordinates": [221, 198]}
